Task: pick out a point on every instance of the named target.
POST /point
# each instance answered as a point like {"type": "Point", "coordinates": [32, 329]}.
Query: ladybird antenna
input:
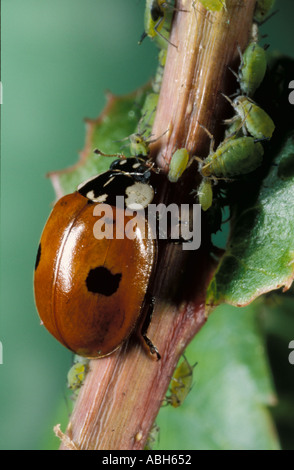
{"type": "Point", "coordinates": [98, 152]}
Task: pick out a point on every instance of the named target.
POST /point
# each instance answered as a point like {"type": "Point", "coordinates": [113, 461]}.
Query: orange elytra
{"type": "Point", "coordinates": [90, 291]}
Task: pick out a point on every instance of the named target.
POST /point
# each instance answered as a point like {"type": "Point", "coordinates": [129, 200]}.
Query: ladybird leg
{"type": "Point", "coordinates": [152, 348]}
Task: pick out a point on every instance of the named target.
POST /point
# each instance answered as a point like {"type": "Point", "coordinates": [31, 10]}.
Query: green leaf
{"type": "Point", "coordinates": [260, 250]}
{"type": "Point", "coordinates": [227, 407]}
{"type": "Point", "coordinates": [108, 133]}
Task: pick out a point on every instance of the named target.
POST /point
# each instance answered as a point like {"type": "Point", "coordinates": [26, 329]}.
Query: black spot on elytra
{"type": "Point", "coordinates": [38, 257]}
{"type": "Point", "coordinates": [101, 281]}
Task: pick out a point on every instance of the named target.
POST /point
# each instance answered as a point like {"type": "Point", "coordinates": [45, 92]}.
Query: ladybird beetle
{"type": "Point", "coordinates": [90, 292]}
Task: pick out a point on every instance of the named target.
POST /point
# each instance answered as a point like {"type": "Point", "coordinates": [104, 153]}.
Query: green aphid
{"type": "Point", "coordinates": [234, 130]}
{"type": "Point", "coordinates": [205, 194]}
{"type": "Point", "coordinates": [213, 5]}
{"type": "Point", "coordinates": [157, 21]}
{"type": "Point", "coordinates": [262, 9]}
{"type": "Point", "coordinates": [148, 112]}
{"type": "Point", "coordinates": [254, 119]}
{"type": "Point", "coordinates": [152, 437]}
{"type": "Point", "coordinates": [181, 383]}
{"type": "Point", "coordinates": [178, 164]}
{"type": "Point", "coordinates": [139, 145]}
{"type": "Point", "coordinates": [77, 373]}
{"type": "Point", "coordinates": [233, 157]}
{"type": "Point", "coordinates": [252, 68]}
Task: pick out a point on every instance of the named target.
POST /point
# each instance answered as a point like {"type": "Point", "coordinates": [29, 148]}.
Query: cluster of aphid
{"type": "Point", "coordinates": [241, 152]}
{"type": "Point", "coordinates": [77, 274]}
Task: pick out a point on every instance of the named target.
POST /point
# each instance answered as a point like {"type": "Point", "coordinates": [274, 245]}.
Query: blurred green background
{"type": "Point", "coordinates": [58, 59]}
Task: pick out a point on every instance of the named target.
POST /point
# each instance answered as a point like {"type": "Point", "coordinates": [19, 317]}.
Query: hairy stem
{"type": "Point", "coordinates": [122, 394]}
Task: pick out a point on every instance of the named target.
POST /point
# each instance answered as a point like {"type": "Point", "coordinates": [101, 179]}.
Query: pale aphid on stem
{"type": "Point", "coordinates": [254, 120]}
{"type": "Point", "coordinates": [233, 157]}
{"type": "Point", "coordinates": [181, 383]}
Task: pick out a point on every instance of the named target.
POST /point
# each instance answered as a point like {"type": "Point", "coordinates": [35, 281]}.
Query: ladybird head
{"type": "Point", "coordinates": [137, 167]}
{"type": "Point", "coordinates": [132, 184]}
